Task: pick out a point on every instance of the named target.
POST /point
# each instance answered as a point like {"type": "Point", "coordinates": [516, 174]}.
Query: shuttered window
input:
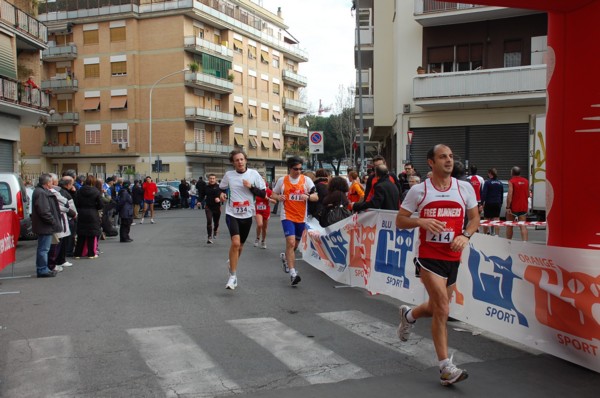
{"type": "Point", "coordinates": [215, 66]}
{"type": "Point", "coordinates": [118, 68]}
{"type": "Point", "coordinates": [91, 70]}
{"type": "Point", "coordinates": [118, 34]}
{"type": "Point", "coordinates": [90, 37]}
{"type": "Point", "coordinates": [8, 66]}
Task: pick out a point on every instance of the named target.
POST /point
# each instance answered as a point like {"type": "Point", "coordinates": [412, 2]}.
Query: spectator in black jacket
{"type": "Point", "coordinates": [125, 208]}
{"type": "Point", "coordinates": [89, 201]}
{"type": "Point", "coordinates": [200, 187]}
{"type": "Point", "coordinates": [137, 195]}
{"type": "Point", "coordinates": [321, 181]}
{"type": "Point", "coordinates": [386, 195]}
{"type": "Point", "coordinates": [492, 196]}
{"type": "Point", "coordinates": [184, 193]}
{"type": "Point", "coordinates": [373, 178]}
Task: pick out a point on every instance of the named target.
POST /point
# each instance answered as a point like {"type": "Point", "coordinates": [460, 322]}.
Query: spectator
{"type": "Point", "coordinates": [89, 202]}
{"type": "Point", "coordinates": [369, 191]}
{"type": "Point", "coordinates": [45, 219]}
{"type": "Point", "coordinates": [193, 194]}
{"type": "Point", "coordinates": [492, 197]}
{"type": "Point", "coordinates": [356, 192]}
{"type": "Point", "coordinates": [412, 181]}
{"type": "Point", "coordinates": [125, 209]}
{"type": "Point", "coordinates": [336, 196]}
{"type": "Point", "coordinates": [200, 187]}
{"type": "Point", "coordinates": [517, 204]}
{"type": "Point", "coordinates": [184, 193]}
{"type": "Point", "coordinates": [385, 193]}
{"type": "Point", "coordinates": [477, 182]}
{"type": "Point", "coordinates": [322, 179]}
{"type": "Point", "coordinates": [409, 170]}
{"type": "Point", "coordinates": [137, 195]}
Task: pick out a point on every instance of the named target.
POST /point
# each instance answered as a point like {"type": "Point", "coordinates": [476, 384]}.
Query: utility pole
{"type": "Point", "coordinates": [361, 126]}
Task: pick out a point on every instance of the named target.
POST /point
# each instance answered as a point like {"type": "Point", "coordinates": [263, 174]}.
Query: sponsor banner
{"type": "Point", "coordinates": [9, 236]}
{"type": "Point", "coordinates": [545, 297]}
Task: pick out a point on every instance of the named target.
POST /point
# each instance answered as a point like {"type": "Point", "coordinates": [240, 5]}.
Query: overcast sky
{"type": "Point", "coordinates": [325, 28]}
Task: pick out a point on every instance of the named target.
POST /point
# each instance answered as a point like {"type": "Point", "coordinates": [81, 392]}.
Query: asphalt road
{"type": "Point", "coordinates": [152, 318]}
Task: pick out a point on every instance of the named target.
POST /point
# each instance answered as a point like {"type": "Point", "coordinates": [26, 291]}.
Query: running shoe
{"type": "Point", "coordinates": [152, 221]}
{"type": "Point", "coordinates": [142, 220]}
{"type": "Point", "coordinates": [284, 261]}
{"type": "Point", "coordinates": [58, 268]}
{"type": "Point", "coordinates": [405, 326]}
{"type": "Point", "coordinates": [209, 241]}
{"type": "Point", "coordinates": [256, 242]}
{"type": "Point", "coordinates": [295, 279]}
{"type": "Point", "coordinates": [263, 244]}
{"type": "Point", "coordinates": [231, 283]}
{"type": "Point", "coordinates": [66, 264]}
{"type": "Point", "coordinates": [450, 374]}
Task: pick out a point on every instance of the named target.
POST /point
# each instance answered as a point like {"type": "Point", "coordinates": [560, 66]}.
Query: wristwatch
{"type": "Point", "coordinates": [467, 235]}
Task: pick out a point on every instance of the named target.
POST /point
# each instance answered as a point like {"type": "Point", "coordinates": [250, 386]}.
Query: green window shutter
{"type": "Point", "coordinates": [215, 66]}
{"type": "Point", "coordinates": [8, 67]}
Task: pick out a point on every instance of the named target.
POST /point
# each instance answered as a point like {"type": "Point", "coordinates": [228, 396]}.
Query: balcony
{"type": "Point", "coordinates": [194, 114]}
{"type": "Point", "coordinates": [296, 131]}
{"type": "Point", "coordinates": [63, 119]}
{"type": "Point", "coordinates": [62, 86]}
{"type": "Point", "coordinates": [439, 13]}
{"type": "Point", "coordinates": [368, 105]}
{"type": "Point", "coordinates": [197, 45]}
{"type": "Point", "coordinates": [525, 85]}
{"type": "Point", "coordinates": [294, 105]}
{"type": "Point", "coordinates": [60, 53]}
{"type": "Point", "coordinates": [294, 79]}
{"type": "Point", "coordinates": [209, 82]}
{"type": "Point", "coordinates": [29, 104]}
{"type": "Point", "coordinates": [29, 31]}
{"type": "Point", "coordinates": [60, 149]}
{"type": "Point", "coordinates": [192, 147]}
{"type": "Point", "coordinates": [366, 37]}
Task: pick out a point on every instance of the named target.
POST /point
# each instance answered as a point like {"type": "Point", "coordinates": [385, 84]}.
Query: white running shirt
{"type": "Point", "coordinates": [240, 200]}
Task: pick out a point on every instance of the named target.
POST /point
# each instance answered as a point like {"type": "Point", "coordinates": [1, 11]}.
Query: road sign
{"type": "Point", "coordinates": [315, 142]}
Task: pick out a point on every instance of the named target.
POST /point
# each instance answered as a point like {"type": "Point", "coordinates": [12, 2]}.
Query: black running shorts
{"type": "Point", "coordinates": [239, 226]}
{"type": "Point", "coordinates": [445, 269]}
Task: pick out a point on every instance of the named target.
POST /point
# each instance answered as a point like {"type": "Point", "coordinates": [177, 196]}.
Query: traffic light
{"type": "Point", "coordinates": [157, 168]}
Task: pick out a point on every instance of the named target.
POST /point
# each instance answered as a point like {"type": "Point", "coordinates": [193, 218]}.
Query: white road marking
{"type": "Point", "coordinates": [182, 367]}
{"type": "Point", "coordinates": [42, 367]}
{"type": "Point", "coordinates": [418, 348]}
{"type": "Point", "coordinates": [315, 363]}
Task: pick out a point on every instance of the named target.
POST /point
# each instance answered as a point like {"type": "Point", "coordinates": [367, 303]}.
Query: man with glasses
{"type": "Point", "coordinates": [293, 190]}
{"type": "Point", "coordinates": [373, 178]}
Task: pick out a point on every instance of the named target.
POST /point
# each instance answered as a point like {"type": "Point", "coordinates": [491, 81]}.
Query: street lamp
{"type": "Point", "coordinates": [150, 119]}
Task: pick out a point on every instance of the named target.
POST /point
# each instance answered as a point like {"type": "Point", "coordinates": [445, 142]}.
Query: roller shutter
{"type": "Point", "coordinates": [425, 138]}
{"type": "Point", "coordinates": [7, 160]}
{"type": "Point", "coordinates": [501, 146]}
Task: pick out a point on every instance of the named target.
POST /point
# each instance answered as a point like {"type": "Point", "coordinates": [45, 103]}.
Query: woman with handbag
{"type": "Point", "coordinates": [335, 203]}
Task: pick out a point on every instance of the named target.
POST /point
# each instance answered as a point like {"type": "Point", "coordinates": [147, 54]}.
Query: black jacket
{"type": "Point", "coordinates": [373, 177]}
{"type": "Point", "coordinates": [88, 203]}
{"type": "Point", "coordinates": [137, 194]}
{"type": "Point", "coordinates": [322, 188]}
{"type": "Point", "coordinates": [125, 204]}
{"type": "Point", "coordinates": [386, 197]}
{"type": "Point", "coordinates": [45, 214]}
{"type": "Point", "coordinates": [210, 192]}
{"type": "Point", "coordinates": [184, 190]}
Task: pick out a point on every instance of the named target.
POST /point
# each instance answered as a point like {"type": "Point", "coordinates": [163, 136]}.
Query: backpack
{"type": "Point", "coordinates": [335, 214]}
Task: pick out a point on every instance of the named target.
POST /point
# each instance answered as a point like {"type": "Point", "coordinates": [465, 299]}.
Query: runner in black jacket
{"type": "Point", "coordinates": [210, 193]}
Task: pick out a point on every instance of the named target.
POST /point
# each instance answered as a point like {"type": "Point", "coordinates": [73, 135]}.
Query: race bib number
{"type": "Point", "coordinates": [442, 237]}
{"type": "Point", "coordinates": [297, 197]}
{"type": "Point", "coordinates": [261, 206]}
{"type": "Point", "coordinates": [241, 208]}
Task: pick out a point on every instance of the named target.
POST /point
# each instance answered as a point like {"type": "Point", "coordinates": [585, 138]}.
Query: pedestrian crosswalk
{"type": "Point", "coordinates": [181, 365]}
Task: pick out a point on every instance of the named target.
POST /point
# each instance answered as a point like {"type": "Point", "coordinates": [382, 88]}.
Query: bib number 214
{"type": "Point", "coordinates": [442, 237]}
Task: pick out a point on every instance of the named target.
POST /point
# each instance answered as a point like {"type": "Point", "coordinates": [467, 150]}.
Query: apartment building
{"type": "Point", "coordinates": [183, 82]}
{"type": "Point", "coordinates": [482, 81]}
{"type": "Point", "coordinates": [22, 101]}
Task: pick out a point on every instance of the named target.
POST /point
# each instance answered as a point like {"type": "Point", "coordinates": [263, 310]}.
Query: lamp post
{"type": "Point", "coordinates": [150, 118]}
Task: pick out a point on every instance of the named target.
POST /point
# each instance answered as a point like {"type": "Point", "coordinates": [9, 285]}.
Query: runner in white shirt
{"type": "Point", "coordinates": [239, 187]}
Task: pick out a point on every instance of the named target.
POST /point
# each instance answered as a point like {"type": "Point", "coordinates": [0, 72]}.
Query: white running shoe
{"type": "Point", "coordinates": [284, 261]}
{"type": "Point", "coordinates": [264, 244]}
{"type": "Point", "coordinates": [152, 221]}
{"type": "Point", "coordinates": [231, 283]}
{"type": "Point", "coordinates": [67, 264]}
{"type": "Point", "coordinates": [405, 326]}
{"type": "Point", "coordinates": [256, 242]}
{"type": "Point", "coordinates": [295, 279]}
{"type": "Point", "coordinates": [450, 374]}
{"type": "Point", "coordinates": [142, 220]}
{"type": "Point", "coordinates": [58, 268]}
{"type": "Point", "coordinates": [133, 223]}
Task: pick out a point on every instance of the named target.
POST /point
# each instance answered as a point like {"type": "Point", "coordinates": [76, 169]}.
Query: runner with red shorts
{"type": "Point", "coordinates": [263, 213]}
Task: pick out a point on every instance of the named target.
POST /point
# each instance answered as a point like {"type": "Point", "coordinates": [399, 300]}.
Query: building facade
{"type": "Point", "coordinates": [481, 82]}
{"type": "Point", "coordinates": [22, 101]}
{"type": "Point", "coordinates": [183, 82]}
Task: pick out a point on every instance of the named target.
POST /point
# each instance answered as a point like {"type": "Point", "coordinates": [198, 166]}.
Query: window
{"type": "Point", "coordinates": [90, 37]}
{"type": "Point", "coordinates": [218, 138]}
{"type": "Point", "coordinates": [264, 57]}
{"type": "Point", "coordinates": [118, 68]}
{"type": "Point", "coordinates": [237, 46]}
{"type": "Point", "coordinates": [251, 111]}
{"type": "Point", "coordinates": [512, 53]}
{"type": "Point", "coordinates": [64, 105]}
{"type": "Point", "coordinates": [199, 32]}
{"type": "Point", "coordinates": [92, 137]}
{"type": "Point", "coordinates": [276, 117]}
{"type": "Point", "coordinates": [276, 88]}
{"type": "Point", "coordinates": [217, 104]}
{"type": "Point", "coordinates": [98, 168]}
{"type": "Point", "coordinates": [91, 104]}
{"type": "Point", "coordinates": [251, 52]}
{"type": "Point", "coordinates": [264, 114]}
{"type": "Point", "coordinates": [264, 85]}
{"type": "Point", "coordinates": [253, 142]}
{"type": "Point", "coordinates": [237, 78]}
{"type": "Point", "coordinates": [238, 109]}
{"type": "Point", "coordinates": [91, 70]}
{"type": "Point", "coordinates": [277, 145]}
{"type": "Point", "coordinates": [119, 136]}
{"type": "Point", "coordinates": [126, 169]}
{"type": "Point", "coordinates": [252, 82]}
{"type": "Point", "coordinates": [275, 61]}
{"type": "Point", "coordinates": [118, 34]}
{"type": "Point", "coordinates": [265, 143]}
{"type": "Point", "coordinates": [118, 102]}
{"type": "Point", "coordinates": [200, 136]}
{"type": "Point", "coordinates": [455, 58]}
{"type": "Point", "coordinates": [164, 168]}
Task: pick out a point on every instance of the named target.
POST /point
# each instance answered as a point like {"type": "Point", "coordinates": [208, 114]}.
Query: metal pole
{"type": "Point", "coordinates": [360, 97]}
{"type": "Point", "coordinates": [150, 117]}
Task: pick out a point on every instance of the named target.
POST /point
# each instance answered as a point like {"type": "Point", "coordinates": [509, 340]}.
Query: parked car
{"type": "Point", "coordinates": [503, 209]}
{"type": "Point", "coordinates": [174, 184]}
{"type": "Point", "coordinates": [15, 198]}
{"type": "Point", "coordinates": [167, 197]}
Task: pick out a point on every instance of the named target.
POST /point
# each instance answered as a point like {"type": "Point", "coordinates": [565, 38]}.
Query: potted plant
{"type": "Point", "coordinates": [194, 66]}
{"type": "Point", "coordinates": [230, 77]}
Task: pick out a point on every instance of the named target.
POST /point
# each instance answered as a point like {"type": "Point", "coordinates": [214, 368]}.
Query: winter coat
{"type": "Point", "coordinates": [137, 194]}
{"type": "Point", "coordinates": [386, 197]}
{"type": "Point", "coordinates": [210, 192]}
{"type": "Point", "coordinates": [321, 186]}
{"type": "Point", "coordinates": [45, 215]}
{"type": "Point", "coordinates": [184, 190]}
{"type": "Point", "coordinates": [125, 204]}
{"type": "Point", "coordinates": [89, 201]}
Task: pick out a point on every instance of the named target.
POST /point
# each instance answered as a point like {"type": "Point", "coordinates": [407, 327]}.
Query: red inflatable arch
{"type": "Point", "coordinates": [572, 118]}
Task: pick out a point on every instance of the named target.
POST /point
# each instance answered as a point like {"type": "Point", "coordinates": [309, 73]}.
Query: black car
{"type": "Point", "coordinates": [167, 197]}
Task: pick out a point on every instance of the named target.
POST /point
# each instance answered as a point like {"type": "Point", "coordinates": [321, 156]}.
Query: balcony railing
{"type": "Point", "coordinates": [61, 86]}
{"type": "Point", "coordinates": [294, 79]}
{"type": "Point", "coordinates": [59, 149]}
{"type": "Point", "coordinates": [294, 105]}
{"type": "Point", "coordinates": [209, 82]}
{"type": "Point", "coordinates": [506, 84]}
{"type": "Point", "coordinates": [432, 6]}
{"type": "Point", "coordinates": [206, 115]}
{"type": "Point", "coordinates": [366, 36]}
{"type": "Point", "coordinates": [199, 147]}
{"type": "Point", "coordinates": [23, 22]}
{"type": "Point", "coordinates": [438, 13]}
{"type": "Point", "coordinates": [289, 129]}
{"type": "Point", "coordinates": [201, 45]}
{"type": "Point", "coordinates": [368, 105]}
{"type": "Point", "coordinates": [67, 118]}
{"type": "Point", "coordinates": [15, 92]}
{"type": "Point", "coordinates": [60, 53]}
